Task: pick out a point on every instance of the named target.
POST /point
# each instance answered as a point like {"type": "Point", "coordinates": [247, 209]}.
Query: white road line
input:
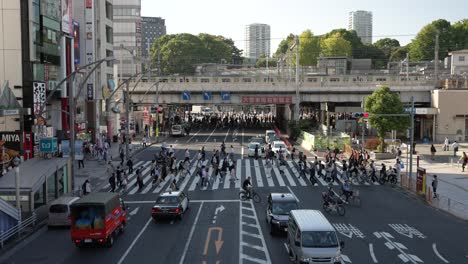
{"type": "Point", "coordinates": [295, 196]}
{"type": "Point", "coordinates": [301, 181]}
{"type": "Point", "coordinates": [214, 201]}
{"type": "Point", "coordinates": [286, 246]}
{"type": "Point", "coordinates": [241, 251]}
{"type": "Point", "coordinates": [227, 179]}
{"type": "Point", "coordinates": [217, 178]}
{"type": "Point", "coordinates": [268, 177]}
{"type": "Point", "coordinates": [242, 144]}
{"type": "Point", "coordinates": [289, 177]}
{"type": "Point", "coordinates": [131, 174]}
{"type": "Point", "coordinates": [134, 241]}
{"type": "Point", "coordinates": [206, 140]}
{"type": "Point", "coordinates": [132, 182]}
{"type": "Point", "coordinates": [402, 253]}
{"type": "Point", "coordinates": [238, 173]}
{"type": "Point", "coordinates": [194, 183]}
{"type": "Point", "coordinates": [262, 238]}
{"type": "Point", "coordinates": [248, 173]}
{"type": "Point", "coordinates": [434, 247]}
{"type": "Point", "coordinates": [162, 184]}
{"type": "Point", "coordinates": [193, 136]}
{"type": "Point", "coordinates": [187, 244]}
{"type": "Point", "coordinates": [371, 250]}
{"type": "Point", "coordinates": [258, 174]}
{"type": "Point", "coordinates": [278, 176]}
{"type": "Point", "coordinates": [208, 179]}
{"type": "Point", "coordinates": [227, 134]}
{"type": "Point", "coordinates": [187, 178]}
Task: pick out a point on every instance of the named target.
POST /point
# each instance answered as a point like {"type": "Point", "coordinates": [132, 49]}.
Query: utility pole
{"type": "Point", "coordinates": [71, 99]}
{"type": "Point", "coordinates": [157, 94]}
{"type": "Point", "coordinates": [411, 137]}
{"type": "Point", "coordinates": [407, 66]}
{"type": "Point", "coordinates": [296, 110]}
{"type": "Point", "coordinates": [127, 116]}
{"type": "Point", "coordinates": [436, 58]}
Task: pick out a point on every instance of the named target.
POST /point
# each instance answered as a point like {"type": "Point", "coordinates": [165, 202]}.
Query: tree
{"type": "Point", "coordinates": [399, 54]}
{"type": "Point", "coordinates": [383, 101]}
{"type": "Point", "coordinates": [181, 52]}
{"type": "Point", "coordinates": [358, 49]}
{"type": "Point", "coordinates": [423, 46]}
{"type": "Point", "coordinates": [284, 45]}
{"type": "Point", "coordinates": [336, 45]}
{"type": "Point", "coordinates": [261, 62]}
{"type": "Point", "coordinates": [387, 46]}
{"type": "Point", "coordinates": [460, 35]}
{"type": "Point", "coordinates": [309, 48]}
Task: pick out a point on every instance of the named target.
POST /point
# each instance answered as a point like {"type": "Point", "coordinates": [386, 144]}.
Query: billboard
{"type": "Point", "coordinates": [9, 147]}
{"type": "Point", "coordinates": [76, 43]}
{"type": "Point", "coordinates": [67, 25]}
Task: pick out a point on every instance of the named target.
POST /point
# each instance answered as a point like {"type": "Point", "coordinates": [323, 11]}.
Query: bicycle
{"type": "Point", "coordinates": [254, 196]}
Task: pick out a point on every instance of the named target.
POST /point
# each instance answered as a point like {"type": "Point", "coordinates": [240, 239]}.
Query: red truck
{"type": "Point", "coordinates": [96, 219]}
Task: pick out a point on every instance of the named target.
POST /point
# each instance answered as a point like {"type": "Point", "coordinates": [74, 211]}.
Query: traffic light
{"type": "Point", "coordinates": [360, 115]}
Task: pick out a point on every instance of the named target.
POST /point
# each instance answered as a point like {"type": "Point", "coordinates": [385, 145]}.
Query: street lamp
{"type": "Point", "coordinates": [70, 78]}
{"type": "Point", "coordinates": [296, 108]}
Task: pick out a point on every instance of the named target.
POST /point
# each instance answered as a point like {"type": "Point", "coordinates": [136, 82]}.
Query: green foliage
{"type": "Point", "coordinates": [372, 143]}
{"type": "Point", "coordinates": [180, 52]}
{"type": "Point", "coordinates": [460, 35]}
{"type": "Point", "coordinates": [309, 48]}
{"type": "Point", "coordinates": [387, 45]}
{"type": "Point", "coordinates": [261, 62]}
{"type": "Point", "coordinates": [284, 45]}
{"type": "Point", "coordinates": [383, 101]}
{"type": "Point", "coordinates": [399, 54]}
{"type": "Point", "coordinates": [293, 130]}
{"type": "Point", "coordinates": [422, 47]}
{"type": "Point", "coordinates": [336, 45]}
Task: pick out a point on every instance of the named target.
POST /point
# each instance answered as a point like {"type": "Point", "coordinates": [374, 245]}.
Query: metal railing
{"type": "Point", "coordinates": [17, 229]}
{"type": "Point", "coordinates": [9, 209]}
{"type": "Point", "coordinates": [447, 204]}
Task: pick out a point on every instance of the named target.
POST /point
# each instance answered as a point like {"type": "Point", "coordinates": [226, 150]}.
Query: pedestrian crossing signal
{"type": "Point", "coordinates": [360, 115]}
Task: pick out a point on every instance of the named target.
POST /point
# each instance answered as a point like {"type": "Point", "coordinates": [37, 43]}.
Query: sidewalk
{"type": "Point", "coordinates": [453, 183]}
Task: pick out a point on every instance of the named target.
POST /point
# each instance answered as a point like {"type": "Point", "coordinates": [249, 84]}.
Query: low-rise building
{"type": "Point", "coordinates": [459, 62]}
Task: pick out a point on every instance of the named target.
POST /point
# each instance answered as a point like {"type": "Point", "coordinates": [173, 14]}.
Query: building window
{"type": "Point", "coordinates": [225, 80]}
{"type": "Point", "coordinates": [109, 10]}
{"type": "Point", "coordinates": [461, 58]}
{"type": "Point", "coordinates": [204, 80]}
{"type": "Point", "coordinates": [109, 35]}
{"type": "Point", "coordinates": [109, 53]}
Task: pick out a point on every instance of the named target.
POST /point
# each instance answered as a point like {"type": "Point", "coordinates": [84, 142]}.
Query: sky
{"type": "Point", "coordinates": [400, 19]}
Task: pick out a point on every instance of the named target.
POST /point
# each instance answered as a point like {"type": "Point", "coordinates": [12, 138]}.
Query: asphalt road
{"type": "Point", "coordinates": [391, 226]}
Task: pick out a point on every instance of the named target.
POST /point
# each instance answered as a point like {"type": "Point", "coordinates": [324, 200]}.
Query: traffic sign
{"type": "Point", "coordinates": [207, 95]}
{"type": "Point", "coordinates": [225, 96]}
{"type": "Point", "coordinates": [186, 96]}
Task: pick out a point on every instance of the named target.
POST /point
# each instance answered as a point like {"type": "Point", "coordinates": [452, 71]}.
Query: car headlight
{"type": "Point", "coordinates": [303, 259]}
{"type": "Point", "coordinates": [336, 259]}
{"type": "Point", "coordinates": [274, 221]}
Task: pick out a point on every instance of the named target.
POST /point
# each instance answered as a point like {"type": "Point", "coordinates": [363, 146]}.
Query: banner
{"type": "Point", "coordinates": [78, 149]}
{"type": "Point", "coordinates": [9, 146]}
{"type": "Point", "coordinates": [67, 24]}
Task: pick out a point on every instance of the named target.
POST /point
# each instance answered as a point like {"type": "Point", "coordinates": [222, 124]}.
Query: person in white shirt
{"type": "Point", "coordinates": [144, 141]}
{"type": "Point", "coordinates": [187, 154]}
{"type": "Point", "coordinates": [455, 148]}
{"type": "Point", "coordinates": [446, 144]}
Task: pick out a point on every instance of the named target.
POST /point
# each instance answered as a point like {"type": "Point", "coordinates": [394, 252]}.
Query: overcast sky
{"type": "Point", "coordinates": [400, 19]}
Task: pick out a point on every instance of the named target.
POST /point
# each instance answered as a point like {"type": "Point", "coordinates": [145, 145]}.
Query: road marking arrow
{"type": "Point", "coordinates": [218, 243]}
{"type": "Point", "coordinates": [219, 209]}
{"type": "Point", "coordinates": [134, 211]}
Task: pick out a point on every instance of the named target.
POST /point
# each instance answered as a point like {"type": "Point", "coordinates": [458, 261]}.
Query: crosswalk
{"type": "Point", "coordinates": [262, 176]}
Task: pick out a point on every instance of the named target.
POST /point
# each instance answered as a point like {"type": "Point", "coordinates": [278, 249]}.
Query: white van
{"type": "Point", "coordinates": [59, 211]}
{"type": "Point", "coordinates": [312, 239]}
{"type": "Point", "coordinates": [268, 134]}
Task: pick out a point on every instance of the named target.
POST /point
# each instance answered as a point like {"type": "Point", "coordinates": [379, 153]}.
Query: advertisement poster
{"type": "Point", "coordinates": [28, 145]}
{"type": "Point", "coordinates": [78, 149]}
{"type": "Point", "coordinates": [9, 147]}
{"type": "Point", "coordinates": [67, 24]}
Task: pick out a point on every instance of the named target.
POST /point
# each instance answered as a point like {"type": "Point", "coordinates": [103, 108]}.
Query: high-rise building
{"type": "Point", "coordinates": [127, 36]}
{"type": "Point", "coordinates": [151, 29]}
{"type": "Point", "coordinates": [361, 22]}
{"type": "Point", "coordinates": [257, 40]}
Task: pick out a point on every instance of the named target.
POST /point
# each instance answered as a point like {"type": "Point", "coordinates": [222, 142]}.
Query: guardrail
{"type": "Point", "coordinates": [447, 204]}
{"type": "Point", "coordinates": [17, 229]}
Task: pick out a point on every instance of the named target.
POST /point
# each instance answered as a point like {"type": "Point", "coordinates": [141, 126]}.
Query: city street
{"type": "Point", "coordinates": [391, 226]}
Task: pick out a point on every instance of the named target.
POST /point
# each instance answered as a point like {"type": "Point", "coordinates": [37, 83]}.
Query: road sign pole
{"type": "Point", "coordinates": [411, 138]}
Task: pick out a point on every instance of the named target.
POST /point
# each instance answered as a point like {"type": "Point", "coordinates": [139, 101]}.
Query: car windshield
{"type": "Point", "coordinates": [252, 145]}
{"type": "Point", "coordinates": [58, 208]}
{"type": "Point", "coordinates": [319, 239]}
{"type": "Point", "coordinates": [283, 208]}
{"type": "Point", "coordinates": [167, 200]}
{"type": "Point", "coordinates": [88, 217]}
{"type": "Point", "coordinates": [258, 140]}
{"type": "Point", "coordinates": [278, 145]}
{"type": "Point", "coordinates": [177, 127]}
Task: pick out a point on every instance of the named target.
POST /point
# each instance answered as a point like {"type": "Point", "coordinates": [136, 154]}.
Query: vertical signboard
{"type": "Point", "coordinates": [67, 7]}
{"type": "Point", "coordinates": [76, 43]}
{"type": "Point", "coordinates": [39, 98]}
{"type": "Point", "coordinates": [89, 17]}
{"type": "Point", "coordinates": [28, 145]}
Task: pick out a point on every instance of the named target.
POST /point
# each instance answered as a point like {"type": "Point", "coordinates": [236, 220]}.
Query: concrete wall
{"type": "Point", "coordinates": [450, 103]}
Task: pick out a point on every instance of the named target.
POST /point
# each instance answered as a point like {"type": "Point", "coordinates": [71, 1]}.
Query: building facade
{"type": "Point", "coordinates": [257, 41]}
{"type": "Point", "coordinates": [127, 36]}
{"type": "Point", "coordinates": [459, 62]}
{"type": "Point", "coordinates": [151, 29]}
{"type": "Point", "coordinates": [361, 22]}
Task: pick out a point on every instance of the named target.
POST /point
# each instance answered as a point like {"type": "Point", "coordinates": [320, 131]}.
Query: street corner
{"type": "Point", "coordinates": [214, 237]}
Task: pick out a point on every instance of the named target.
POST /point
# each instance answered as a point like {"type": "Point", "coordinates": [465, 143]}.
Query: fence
{"type": "Point", "coordinates": [17, 229]}
{"type": "Point", "coordinates": [442, 202]}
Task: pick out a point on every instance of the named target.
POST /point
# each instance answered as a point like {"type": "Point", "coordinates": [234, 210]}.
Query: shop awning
{"type": "Point", "coordinates": [33, 173]}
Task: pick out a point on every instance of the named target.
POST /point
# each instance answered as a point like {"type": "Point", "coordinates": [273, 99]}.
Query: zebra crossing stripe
{"type": "Point", "coordinates": [278, 176]}
{"type": "Point", "coordinates": [133, 181]}
{"type": "Point", "coordinates": [238, 174]}
{"type": "Point", "coordinates": [268, 172]}
{"type": "Point", "coordinates": [289, 177]}
{"type": "Point", "coordinates": [132, 174]}
{"type": "Point", "coordinates": [258, 175]}
{"type": "Point", "coordinates": [248, 173]}
{"type": "Point", "coordinates": [187, 178]}
{"type": "Point", "coordinates": [299, 178]}
{"type": "Point", "coordinates": [162, 184]}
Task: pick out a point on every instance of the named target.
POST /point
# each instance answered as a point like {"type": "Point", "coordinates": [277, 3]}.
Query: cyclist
{"type": "Point", "coordinates": [346, 188]}
{"type": "Point", "coordinates": [247, 186]}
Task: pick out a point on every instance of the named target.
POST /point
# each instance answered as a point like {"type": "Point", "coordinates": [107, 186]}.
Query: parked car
{"type": "Point", "coordinates": [278, 208]}
{"type": "Point", "coordinates": [251, 149]}
{"type": "Point", "coordinates": [279, 145]}
{"type": "Point", "coordinates": [269, 134]}
{"type": "Point", "coordinates": [97, 218]}
{"type": "Point", "coordinates": [170, 205]}
{"type": "Point", "coordinates": [177, 130]}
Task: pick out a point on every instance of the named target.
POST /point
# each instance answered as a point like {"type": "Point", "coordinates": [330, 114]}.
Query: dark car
{"type": "Point", "coordinates": [278, 209]}
{"type": "Point", "coordinates": [170, 205]}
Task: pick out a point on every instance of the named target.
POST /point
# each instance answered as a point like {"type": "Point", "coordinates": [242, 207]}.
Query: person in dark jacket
{"type": "Point", "coordinates": [130, 166]}
{"type": "Point", "coordinates": [112, 182]}
{"type": "Point", "coordinates": [433, 151]}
